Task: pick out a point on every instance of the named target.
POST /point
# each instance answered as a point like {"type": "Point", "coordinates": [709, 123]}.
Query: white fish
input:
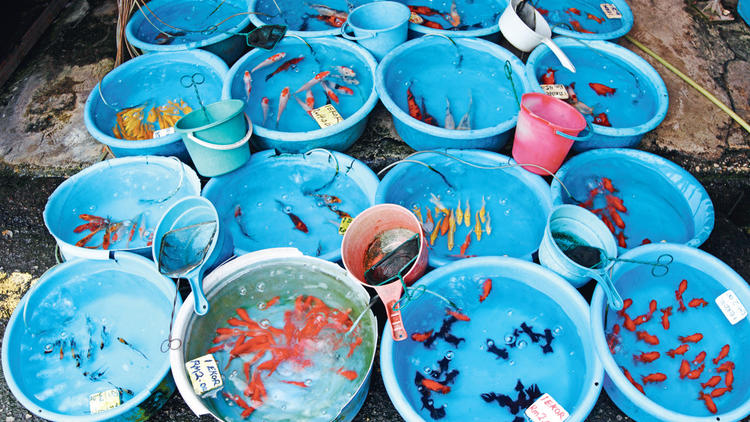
{"type": "Point", "coordinates": [450, 123]}
{"type": "Point", "coordinates": [264, 104]}
{"type": "Point", "coordinates": [319, 77]}
{"type": "Point", "coordinates": [283, 98]}
{"type": "Point", "coordinates": [465, 123]}
{"type": "Point", "coordinates": [302, 104]}
{"type": "Point", "coordinates": [248, 83]}
{"type": "Point", "coordinates": [269, 61]}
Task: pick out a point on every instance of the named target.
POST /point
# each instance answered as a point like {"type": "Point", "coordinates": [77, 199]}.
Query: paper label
{"type": "Point", "coordinates": [556, 90]}
{"type": "Point", "coordinates": [546, 409]}
{"type": "Point", "coordinates": [204, 374]}
{"type": "Point", "coordinates": [104, 400]}
{"type": "Point", "coordinates": [326, 116]}
{"type": "Point", "coordinates": [610, 10]}
{"type": "Point", "coordinates": [344, 225]}
{"type": "Point", "coordinates": [163, 132]}
{"type": "Point", "coordinates": [731, 307]}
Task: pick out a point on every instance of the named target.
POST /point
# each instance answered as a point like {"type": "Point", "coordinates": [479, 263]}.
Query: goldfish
{"type": "Point", "coordinates": [647, 357]}
{"type": "Point", "coordinates": [429, 223]}
{"type": "Point", "coordinates": [621, 240]}
{"type": "Point", "coordinates": [482, 211]}
{"type": "Point", "coordinates": [341, 89]}
{"type": "Point", "coordinates": [653, 378]}
{"type": "Point", "coordinates": [302, 104]}
{"type": "Point", "coordinates": [594, 18]}
{"type": "Point", "coordinates": [82, 243]}
{"type": "Point", "coordinates": [467, 214]}
{"type": "Point", "coordinates": [710, 405]}
{"type": "Point", "coordinates": [616, 203]}
{"type": "Point", "coordinates": [678, 351]}
{"type": "Point", "coordinates": [651, 308]}
{"type": "Point", "coordinates": [478, 228]}
{"type": "Point", "coordinates": [415, 18]}
{"type": "Point", "coordinates": [248, 80]}
{"type": "Point", "coordinates": [645, 241]}
{"type": "Point", "coordinates": [269, 61]}
{"type": "Point", "coordinates": [640, 319]}
{"type": "Point", "coordinates": [420, 337]}
{"type": "Point", "coordinates": [625, 305]}
{"type": "Point", "coordinates": [459, 316]}
{"type": "Point", "coordinates": [695, 373]}
{"type": "Point", "coordinates": [632, 381]}
{"type": "Point", "coordinates": [616, 217]}
{"type": "Point", "coordinates": [436, 231]}
{"type": "Point", "coordinates": [666, 312]}
{"type": "Point", "coordinates": [684, 368]}
{"type": "Point", "coordinates": [283, 98]}
{"type": "Point", "coordinates": [329, 92]}
{"type": "Point", "coordinates": [693, 338]}
{"type": "Point", "coordinates": [486, 289]}
{"type": "Point", "coordinates": [272, 302]}
{"type": "Point", "coordinates": [712, 382]}
{"type": "Point", "coordinates": [722, 354]}
{"type": "Point", "coordinates": [431, 24]}
{"type": "Point", "coordinates": [543, 12]}
{"type": "Point", "coordinates": [608, 223]}
{"type": "Point", "coordinates": [289, 64]}
{"type": "Point", "coordinates": [648, 338]}
{"type": "Point", "coordinates": [264, 105]}
{"type": "Point", "coordinates": [348, 374]}
{"type": "Point", "coordinates": [465, 122]}
{"type": "Point", "coordinates": [417, 211]}
{"type": "Point", "coordinates": [487, 227]}
{"type": "Point", "coordinates": [425, 11]}
{"type": "Point", "coordinates": [697, 302]}
{"type": "Point", "coordinates": [549, 76]}
{"type": "Point", "coordinates": [613, 338]}
{"type": "Point", "coordinates": [298, 224]}
{"type": "Point", "coordinates": [435, 386]}
{"type": "Point", "coordinates": [450, 123]}
{"type": "Point", "coordinates": [247, 409]}
{"type": "Point", "coordinates": [446, 224]}
{"type": "Point", "coordinates": [573, 10]}
{"type": "Point", "coordinates": [451, 231]}
{"type": "Point", "coordinates": [577, 26]}
{"type": "Point", "coordinates": [439, 206]}
{"type": "Point", "coordinates": [466, 244]}
{"type": "Point", "coordinates": [330, 199]}
{"type": "Point", "coordinates": [454, 18]}
{"type": "Point", "coordinates": [459, 213]}
{"type": "Point", "coordinates": [681, 289]}
{"type": "Point", "coordinates": [602, 89]}
{"type": "Point", "coordinates": [122, 340]}
{"type": "Point", "coordinates": [729, 379]}
{"type": "Point", "coordinates": [628, 323]}
{"type": "Point", "coordinates": [315, 80]}
{"type": "Point", "coordinates": [414, 110]}
{"type": "Point", "coordinates": [426, 117]}
{"type": "Point", "coordinates": [297, 383]}
{"type": "Point", "coordinates": [334, 21]}
{"type": "Point", "coordinates": [601, 119]}
{"type": "Point", "coordinates": [345, 71]}
{"type": "Point", "coordinates": [718, 392]}
{"type": "Point", "coordinates": [727, 366]}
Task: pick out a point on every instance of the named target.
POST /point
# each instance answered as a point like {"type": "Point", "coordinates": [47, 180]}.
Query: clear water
{"type": "Point", "coordinates": [328, 392]}
{"type": "Point", "coordinates": [517, 213]}
{"type": "Point", "coordinates": [635, 100]}
{"type": "Point", "coordinates": [294, 118]}
{"type": "Point", "coordinates": [475, 14]}
{"type": "Point", "coordinates": [680, 395]}
{"type": "Point", "coordinates": [510, 303]}
{"type": "Point", "coordinates": [438, 71]}
{"type": "Point", "coordinates": [558, 17]}
{"type": "Point", "coordinates": [264, 224]}
{"type": "Point", "coordinates": [191, 18]}
{"type": "Point", "coordinates": [298, 16]}
{"type": "Point", "coordinates": [125, 306]}
{"type": "Point", "coordinates": [657, 206]}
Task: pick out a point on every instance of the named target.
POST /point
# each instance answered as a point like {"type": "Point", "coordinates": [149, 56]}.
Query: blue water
{"type": "Point", "coordinates": [680, 395]}
{"type": "Point", "coordinates": [656, 209]}
{"type": "Point", "coordinates": [298, 16]}
{"type": "Point", "coordinates": [264, 222]}
{"type": "Point", "coordinates": [436, 71]}
{"type": "Point", "coordinates": [475, 14]}
{"type": "Point", "coordinates": [127, 306]}
{"type": "Point", "coordinates": [510, 303]}
{"type": "Point", "coordinates": [558, 16]}
{"type": "Point", "coordinates": [294, 118]}
{"type": "Point", "coordinates": [634, 101]}
{"type": "Point", "coordinates": [191, 18]}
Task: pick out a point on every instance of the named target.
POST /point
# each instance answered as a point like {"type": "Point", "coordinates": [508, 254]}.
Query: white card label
{"type": "Point", "coordinates": [204, 374]}
{"type": "Point", "coordinates": [104, 400]}
{"type": "Point", "coordinates": [163, 132]}
{"type": "Point", "coordinates": [610, 10]}
{"type": "Point", "coordinates": [546, 409]}
{"type": "Point", "coordinates": [326, 115]}
{"type": "Point", "coordinates": [556, 90]}
{"type": "Point", "coordinates": [731, 307]}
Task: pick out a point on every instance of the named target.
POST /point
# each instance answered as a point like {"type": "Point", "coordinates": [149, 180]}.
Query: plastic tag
{"type": "Point", "coordinates": [344, 225]}
{"type": "Point", "coordinates": [610, 10]}
{"type": "Point", "coordinates": [204, 374]}
{"type": "Point", "coordinates": [163, 132]}
{"type": "Point", "coordinates": [104, 400]}
{"type": "Point", "coordinates": [556, 90]}
{"type": "Point", "coordinates": [546, 409]}
{"type": "Point", "coordinates": [731, 307]}
{"type": "Point", "coordinates": [326, 116]}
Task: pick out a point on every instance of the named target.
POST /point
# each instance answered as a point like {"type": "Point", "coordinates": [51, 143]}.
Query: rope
{"type": "Point", "coordinates": [509, 76]}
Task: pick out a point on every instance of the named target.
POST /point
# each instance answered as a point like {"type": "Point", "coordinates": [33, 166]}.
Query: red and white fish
{"type": "Point", "coordinates": [341, 89]}
{"type": "Point", "coordinates": [302, 104]}
{"type": "Point", "coordinates": [283, 98]}
{"type": "Point", "coordinates": [315, 80]}
{"type": "Point", "coordinates": [450, 123]}
{"type": "Point", "coordinates": [269, 61]}
{"type": "Point", "coordinates": [264, 105]}
{"type": "Point", "coordinates": [465, 122]}
{"type": "Point", "coordinates": [329, 92]}
{"type": "Point", "coordinates": [454, 18]}
{"type": "Point", "coordinates": [310, 98]}
{"type": "Point", "coordinates": [289, 64]}
{"type": "Point", "coordinates": [345, 71]}
{"type": "Point", "coordinates": [248, 80]}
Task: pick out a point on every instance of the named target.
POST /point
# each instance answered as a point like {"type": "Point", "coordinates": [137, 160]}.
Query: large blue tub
{"type": "Point", "coordinates": [560, 18]}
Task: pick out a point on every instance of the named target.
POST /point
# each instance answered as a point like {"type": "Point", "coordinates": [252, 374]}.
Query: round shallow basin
{"type": "Point", "coordinates": [304, 19]}
{"type": "Point", "coordinates": [675, 398]}
{"type": "Point", "coordinates": [562, 17]}
{"type": "Point", "coordinates": [478, 18]}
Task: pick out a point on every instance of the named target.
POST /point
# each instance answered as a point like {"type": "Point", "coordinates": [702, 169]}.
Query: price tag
{"type": "Point", "coordinates": [555, 90]}
{"type": "Point", "coordinates": [326, 115]}
{"type": "Point", "coordinates": [163, 132]}
{"type": "Point", "coordinates": [731, 307]}
{"type": "Point", "coordinates": [204, 374]}
{"type": "Point", "coordinates": [104, 400]}
{"type": "Point", "coordinates": [546, 409]}
{"type": "Point", "coordinates": [610, 10]}
{"type": "Point", "coordinates": [344, 225]}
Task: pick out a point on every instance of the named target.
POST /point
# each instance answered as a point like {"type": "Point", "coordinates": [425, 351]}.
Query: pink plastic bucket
{"type": "Point", "coordinates": [545, 132]}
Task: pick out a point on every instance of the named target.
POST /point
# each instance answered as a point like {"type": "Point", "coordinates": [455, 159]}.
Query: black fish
{"type": "Point", "coordinates": [547, 348]}
{"type": "Point", "coordinates": [533, 392]}
{"type": "Point", "coordinates": [500, 353]}
{"type": "Point", "coordinates": [528, 330]}
{"type": "Point", "coordinates": [519, 419]}
{"type": "Point", "coordinates": [429, 404]}
{"type": "Point", "coordinates": [418, 379]}
{"type": "Point", "coordinates": [449, 377]}
{"type": "Point", "coordinates": [453, 340]}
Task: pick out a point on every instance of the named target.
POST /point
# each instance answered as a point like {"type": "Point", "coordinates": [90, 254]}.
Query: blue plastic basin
{"type": "Point", "coordinates": [640, 100]}
{"type": "Point", "coordinates": [478, 18]}
{"type": "Point", "coordinates": [152, 78]}
{"type": "Point", "coordinates": [517, 202]}
{"type": "Point", "coordinates": [674, 399]}
{"type": "Point", "coordinates": [521, 292]}
{"type": "Point", "coordinates": [297, 131]}
{"type": "Point", "coordinates": [559, 20]}
{"type": "Point", "coordinates": [429, 66]}
{"type": "Point", "coordinates": [249, 200]}
{"type": "Point", "coordinates": [664, 202]}
{"type": "Point", "coordinates": [196, 19]}
{"type": "Point", "coordinates": [124, 297]}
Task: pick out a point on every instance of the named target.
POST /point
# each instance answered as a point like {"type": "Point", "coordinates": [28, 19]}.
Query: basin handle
{"type": "Point", "coordinates": [589, 132]}
{"type": "Point", "coordinates": [345, 33]}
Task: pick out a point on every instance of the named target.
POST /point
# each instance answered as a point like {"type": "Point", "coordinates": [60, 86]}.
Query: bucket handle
{"type": "Point", "coordinates": [345, 33]}
{"type": "Point", "coordinates": [588, 134]}
{"type": "Point", "coordinates": [228, 147]}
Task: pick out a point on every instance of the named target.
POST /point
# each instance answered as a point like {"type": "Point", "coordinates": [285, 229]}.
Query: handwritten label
{"type": "Point", "coordinates": [546, 409]}
{"type": "Point", "coordinates": [204, 374]}
{"type": "Point", "coordinates": [344, 225]}
{"type": "Point", "coordinates": [326, 115]}
{"type": "Point", "coordinates": [555, 90]}
{"type": "Point", "coordinates": [104, 400]}
{"type": "Point", "coordinates": [163, 132]}
{"type": "Point", "coordinates": [610, 10]}
{"type": "Point", "coordinates": [731, 307]}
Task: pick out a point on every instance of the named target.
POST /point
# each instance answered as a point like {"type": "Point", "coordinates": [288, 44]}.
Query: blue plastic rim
{"type": "Point", "coordinates": [153, 78]}
{"type": "Point", "coordinates": [296, 16]}
{"type": "Point", "coordinates": [557, 17]}
{"type": "Point", "coordinates": [429, 64]}
{"type": "Point", "coordinates": [664, 201]}
{"type": "Point", "coordinates": [600, 52]}
{"type": "Point", "coordinates": [707, 277]}
{"type": "Point", "coordinates": [520, 289]}
{"type": "Point", "coordinates": [256, 202]}
{"type": "Point", "coordinates": [518, 202]}
{"type": "Point", "coordinates": [78, 278]}
{"type": "Point", "coordinates": [119, 189]}
{"type": "Point", "coordinates": [482, 13]}
{"type": "Point", "coordinates": [306, 134]}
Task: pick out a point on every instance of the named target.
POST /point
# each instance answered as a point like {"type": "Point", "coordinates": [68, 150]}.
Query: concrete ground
{"type": "Point", "coordinates": [43, 140]}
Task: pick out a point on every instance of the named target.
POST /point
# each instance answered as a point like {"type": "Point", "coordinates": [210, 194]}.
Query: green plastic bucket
{"type": "Point", "coordinates": [216, 137]}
